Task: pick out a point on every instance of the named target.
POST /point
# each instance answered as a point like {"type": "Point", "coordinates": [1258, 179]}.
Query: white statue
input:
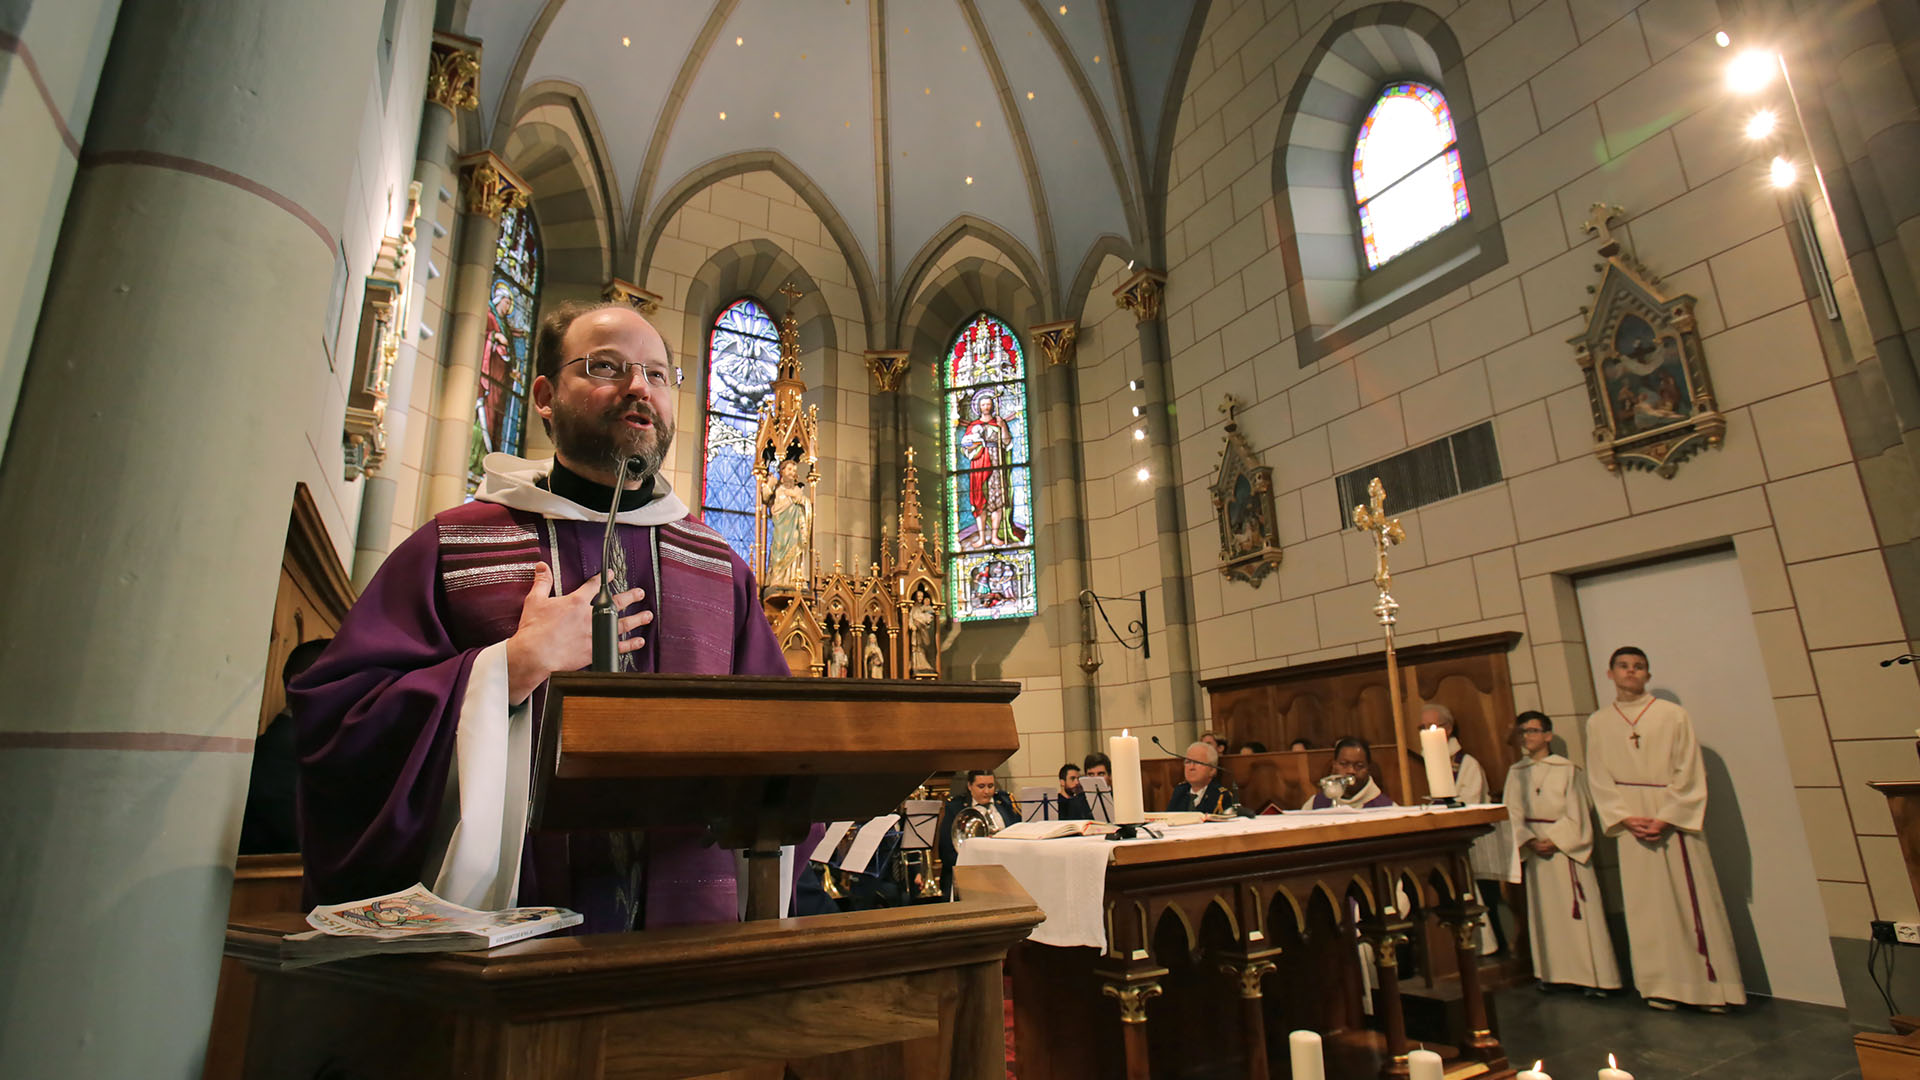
{"type": "Point", "coordinates": [874, 660]}
{"type": "Point", "coordinates": [837, 659]}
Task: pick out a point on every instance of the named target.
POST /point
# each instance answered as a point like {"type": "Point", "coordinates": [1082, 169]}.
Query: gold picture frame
{"type": "Point", "coordinates": [1243, 505]}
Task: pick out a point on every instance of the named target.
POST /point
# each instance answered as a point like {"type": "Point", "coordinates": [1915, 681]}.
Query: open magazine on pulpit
{"type": "Point", "coordinates": [413, 920]}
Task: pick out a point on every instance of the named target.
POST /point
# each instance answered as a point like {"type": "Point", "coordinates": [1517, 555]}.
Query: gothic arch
{"type": "Point", "coordinates": [1078, 293]}
{"type": "Point", "coordinates": [562, 107]}
{"type": "Point", "coordinates": [573, 225]}
{"type": "Point", "coordinates": [911, 299]}
{"type": "Point", "coordinates": [756, 268]}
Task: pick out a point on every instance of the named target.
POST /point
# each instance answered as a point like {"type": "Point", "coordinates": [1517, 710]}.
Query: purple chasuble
{"type": "Point", "coordinates": [377, 713]}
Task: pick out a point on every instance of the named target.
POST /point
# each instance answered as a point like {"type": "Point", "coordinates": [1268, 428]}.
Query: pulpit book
{"type": "Point", "coordinates": [413, 920]}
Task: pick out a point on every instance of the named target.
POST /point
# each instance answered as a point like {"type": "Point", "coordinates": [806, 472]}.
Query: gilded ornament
{"type": "Point", "coordinates": [1056, 340]}
{"type": "Point", "coordinates": [490, 187]}
{"type": "Point", "coordinates": [453, 73]}
{"type": "Point", "coordinates": [888, 368]}
{"type": "Point", "coordinates": [1243, 505]}
{"type": "Point", "coordinates": [626, 292]}
{"type": "Point", "coordinates": [1133, 998]}
{"type": "Point", "coordinates": [1140, 294]}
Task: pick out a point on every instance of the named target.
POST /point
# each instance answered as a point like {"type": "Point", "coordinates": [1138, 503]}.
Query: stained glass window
{"type": "Point", "coordinates": [990, 566]}
{"type": "Point", "coordinates": [506, 361]}
{"type": "Point", "coordinates": [743, 355]}
{"type": "Point", "coordinates": [1407, 178]}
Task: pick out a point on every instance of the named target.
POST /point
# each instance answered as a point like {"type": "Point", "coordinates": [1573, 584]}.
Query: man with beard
{"type": "Point", "coordinates": [416, 726]}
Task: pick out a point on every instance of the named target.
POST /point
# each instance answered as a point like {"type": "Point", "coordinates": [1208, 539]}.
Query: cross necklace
{"type": "Point", "coordinates": [1635, 722]}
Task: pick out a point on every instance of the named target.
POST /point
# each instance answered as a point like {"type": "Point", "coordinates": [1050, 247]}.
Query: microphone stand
{"type": "Point", "coordinates": [606, 620]}
{"type": "Point", "coordinates": [1227, 785]}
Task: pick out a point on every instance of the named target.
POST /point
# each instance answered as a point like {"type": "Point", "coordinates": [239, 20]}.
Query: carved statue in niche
{"type": "Point", "coordinates": [1646, 373]}
{"type": "Point", "coordinates": [872, 660]}
{"type": "Point", "coordinates": [837, 658]}
{"type": "Point", "coordinates": [924, 636]}
{"type": "Point", "coordinates": [1243, 503]}
{"type": "Point", "coordinates": [789, 526]}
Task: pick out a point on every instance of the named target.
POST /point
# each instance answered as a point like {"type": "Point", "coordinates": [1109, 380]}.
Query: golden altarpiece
{"type": "Point", "coordinates": [884, 623]}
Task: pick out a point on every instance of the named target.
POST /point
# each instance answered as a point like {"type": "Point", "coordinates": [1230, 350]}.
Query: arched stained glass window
{"type": "Point", "coordinates": [1407, 178]}
{"type": "Point", "coordinates": [506, 360]}
{"type": "Point", "coordinates": [743, 355]}
{"type": "Point", "coordinates": [990, 567]}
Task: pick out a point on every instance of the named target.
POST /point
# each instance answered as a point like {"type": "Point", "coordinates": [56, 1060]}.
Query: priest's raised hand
{"type": "Point", "coordinates": [556, 632]}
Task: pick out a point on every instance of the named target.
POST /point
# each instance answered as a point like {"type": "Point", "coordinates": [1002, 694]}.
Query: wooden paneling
{"type": "Point", "coordinates": [1324, 701]}
{"type": "Point", "coordinates": [314, 596]}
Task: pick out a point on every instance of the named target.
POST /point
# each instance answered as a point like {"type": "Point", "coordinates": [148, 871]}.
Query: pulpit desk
{"type": "Point", "coordinates": [1197, 953]}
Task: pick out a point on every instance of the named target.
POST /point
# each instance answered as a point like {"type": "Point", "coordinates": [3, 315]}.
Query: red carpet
{"type": "Point", "coordinates": [1006, 1002]}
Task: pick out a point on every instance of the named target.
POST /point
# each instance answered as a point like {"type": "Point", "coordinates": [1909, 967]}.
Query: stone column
{"type": "Point", "coordinates": [1248, 972]}
{"type": "Point", "coordinates": [174, 382]}
{"type": "Point", "coordinates": [488, 189]}
{"type": "Point", "coordinates": [889, 370]}
{"type": "Point", "coordinates": [453, 77]}
{"type": "Point", "coordinates": [1067, 533]}
{"type": "Point", "coordinates": [1132, 996]}
{"type": "Point", "coordinates": [1141, 295]}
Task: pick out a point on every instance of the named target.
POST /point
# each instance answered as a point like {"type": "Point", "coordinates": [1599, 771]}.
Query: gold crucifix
{"type": "Point", "coordinates": [1599, 223]}
{"type": "Point", "coordinates": [1230, 405]}
{"type": "Point", "coordinates": [1386, 532]}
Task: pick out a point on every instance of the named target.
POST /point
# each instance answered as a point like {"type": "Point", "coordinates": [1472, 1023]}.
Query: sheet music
{"type": "Point", "coordinates": [923, 821]}
{"type": "Point", "coordinates": [1099, 797]}
{"type": "Point", "coordinates": [823, 851]}
{"type": "Point", "coordinates": [1036, 804]}
{"type": "Point", "coordinates": [866, 842]}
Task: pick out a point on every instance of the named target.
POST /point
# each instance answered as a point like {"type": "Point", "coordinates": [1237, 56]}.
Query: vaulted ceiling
{"type": "Point", "coordinates": [904, 116]}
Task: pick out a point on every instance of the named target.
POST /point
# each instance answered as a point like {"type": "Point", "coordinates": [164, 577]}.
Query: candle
{"type": "Point", "coordinates": [1433, 748]}
{"type": "Point", "coordinates": [1532, 1074]}
{"type": "Point", "coordinates": [1613, 1071]}
{"type": "Point", "coordinates": [1124, 752]}
{"type": "Point", "coordinates": [1424, 1065]}
{"type": "Point", "coordinates": [1308, 1064]}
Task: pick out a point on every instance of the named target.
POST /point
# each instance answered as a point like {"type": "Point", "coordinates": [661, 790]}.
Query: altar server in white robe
{"type": "Point", "coordinates": [1648, 787]}
{"type": "Point", "coordinates": [1546, 800]}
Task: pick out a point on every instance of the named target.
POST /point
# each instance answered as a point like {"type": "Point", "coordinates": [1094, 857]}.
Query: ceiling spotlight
{"type": "Point", "coordinates": [1143, 474]}
{"type": "Point", "coordinates": [969, 179]}
{"type": "Point", "coordinates": [1751, 70]}
{"type": "Point", "coordinates": [1782, 172]}
{"type": "Point", "coordinates": [626, 42]}
{"type": "Point", "coordinates": [1063, 9]}
{"type": "Point", "coordinates": [1139, 410]}
{"type": "Point", "coordinates": [1029, 95]}
{"type": "Point", "coordinates": [739, 41]}
{"type": "Point", "coordinates": [1139, 434]}
{"type": "Point", "coordinates": [1721, 39]}
{"type": "Point", "coordinates": [776, 114]}
{"type": "Point", "coordinates": [723, 116]}
{"type": "Point", "coordinates": [1129, 264]}
{"type": "Point", "coordinates": [1135, 384]}
{"type": "Point", "coordinates": [1760, 124]}
{"type": "Point", "coordinates": [1096, 59]}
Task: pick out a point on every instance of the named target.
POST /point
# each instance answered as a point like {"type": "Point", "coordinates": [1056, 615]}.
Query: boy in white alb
{"type": "Point", "coordinates": [1553, 828]}
{"type": "Point", "coordinates": [1648, 787]}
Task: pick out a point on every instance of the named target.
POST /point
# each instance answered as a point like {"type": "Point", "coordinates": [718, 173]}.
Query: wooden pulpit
{"type": "Point", "coordinates": [905, 992]}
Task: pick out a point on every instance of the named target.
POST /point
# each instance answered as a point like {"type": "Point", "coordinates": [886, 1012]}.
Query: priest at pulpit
{"type": "Point", "coordinates": [416, 727]}
{"type": "Point", "coordinates": [1203, 789]}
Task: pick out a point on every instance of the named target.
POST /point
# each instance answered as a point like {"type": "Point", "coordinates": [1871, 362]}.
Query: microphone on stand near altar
{"type": "Point", "coordinates": [606, 620]}
{"type": "Point", "coordinates": [1220, 770]}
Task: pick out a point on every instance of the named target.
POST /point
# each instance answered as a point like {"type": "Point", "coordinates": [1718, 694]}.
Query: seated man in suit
{"type": "Point", "coordinates": [1352, 759]}
{"type": "Point", "coordinates": [981, 790]}
{"type": "Point", "coordinates": [1072, 801]}
{"type": "Point", "coordinates": [1205, 789]}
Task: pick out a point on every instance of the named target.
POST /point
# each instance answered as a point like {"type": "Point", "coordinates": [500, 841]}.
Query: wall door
{"type": "Point", "coordinates": [1692, 617]}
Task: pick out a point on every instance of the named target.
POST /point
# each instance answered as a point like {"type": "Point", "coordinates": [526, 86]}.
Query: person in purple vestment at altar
{"type": "Point", "coordinates": [1353, 760]}
{"type": "Point", "coordinates": [416, 727]}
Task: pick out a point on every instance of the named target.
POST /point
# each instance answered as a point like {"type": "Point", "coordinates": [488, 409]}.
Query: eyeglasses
{"type": "Point", "coordinates": [608, 370]}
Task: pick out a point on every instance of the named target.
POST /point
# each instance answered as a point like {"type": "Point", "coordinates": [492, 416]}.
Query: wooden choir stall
{"type": "Point", "coordinates": [904, 992]}
{"type": "Point", "coordinates": [1897, 1056]}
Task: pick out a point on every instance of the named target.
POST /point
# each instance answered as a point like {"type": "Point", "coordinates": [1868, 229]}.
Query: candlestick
{"type": "Point", "coordinates": [1424, 1065]}
{"type": "Point", "coordinates": [1613, 1071]}
{"type": "Point", "coordinates": [1308, 1063]}
{"type": "Point", "coordinates": [1123, 751]}
{"type": "Point", "coordinates": [1433, 748]}
{"type": "Point", "coordinates": [1534, 1073]}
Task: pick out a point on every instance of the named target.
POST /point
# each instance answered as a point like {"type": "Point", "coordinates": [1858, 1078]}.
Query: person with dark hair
{"type": "Point", "coordinates": [1072, 800]}
{"type": "Point", "coordinates": [1253, 746]}
{"type": "Point", "coordinates": [1098, 764]}
{"type": "Point", "coordinates": [1552, 820]}
{"type": "Point", "coordinates": [269, 825]}
{"type": "Point", "coordinates": [981, 789]}
{"type": "Point", "coordinates": [464, 622]}
{"type": "Point", "coordinates": [1300, 744]}
{"type": "Point", "coordinates": [1353, 760]}
{"type": "Point", "coordinates": [1650, 791]}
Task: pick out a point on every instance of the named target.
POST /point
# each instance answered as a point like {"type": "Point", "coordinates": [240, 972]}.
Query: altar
{"type": "Point", "coordinates": [1195, 953]}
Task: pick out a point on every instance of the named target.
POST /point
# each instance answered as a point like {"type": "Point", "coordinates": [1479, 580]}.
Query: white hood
{"type": "Point", "coordinates": [513, 481]}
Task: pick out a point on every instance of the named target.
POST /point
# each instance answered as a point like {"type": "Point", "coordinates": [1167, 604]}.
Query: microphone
{"type": "Point", "coordinates": [1222, 769]}
{"type": "Point", "coordinates": [1906, 659]}
{"type": "Point", "coordinates": [606, 620]}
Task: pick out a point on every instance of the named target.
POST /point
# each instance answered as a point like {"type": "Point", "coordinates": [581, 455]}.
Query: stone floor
{"type": "Point", "coordinates": [1766, 1040]}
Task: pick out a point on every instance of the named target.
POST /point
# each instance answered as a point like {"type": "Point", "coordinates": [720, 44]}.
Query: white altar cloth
{"type": "Point", "coordinates": [1067, 876]}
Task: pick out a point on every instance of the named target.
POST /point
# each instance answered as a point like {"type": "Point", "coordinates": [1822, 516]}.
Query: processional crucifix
{"type": "Point", "coordinates": [1386, 532]}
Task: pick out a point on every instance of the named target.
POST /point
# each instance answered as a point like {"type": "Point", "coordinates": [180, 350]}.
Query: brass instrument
{"type": "Point", "coordinates": [972, 821]}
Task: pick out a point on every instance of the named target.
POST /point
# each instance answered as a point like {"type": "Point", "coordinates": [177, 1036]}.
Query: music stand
{"type": "Point", "coordinates": [755, 760]}
{"type": "Point", "coordinates": [1036, 804]}
{"type": "Point", "coordinates": [1099, 797]}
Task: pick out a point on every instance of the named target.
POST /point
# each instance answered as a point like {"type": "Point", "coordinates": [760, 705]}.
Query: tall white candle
{"type": "Point", "coordinates": [1124, 751]}
{"type": "Point", "coordinates": [1433, 748]}
{"type": "Point", "coordinates": [1532, 1074]}
{"type": "Point", "coordinates": [1613, 1071]}
{"type": "Point", "coordinates": [1424, 1065]}
{"type": "Point", "coordinates": [1308, 1064]}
